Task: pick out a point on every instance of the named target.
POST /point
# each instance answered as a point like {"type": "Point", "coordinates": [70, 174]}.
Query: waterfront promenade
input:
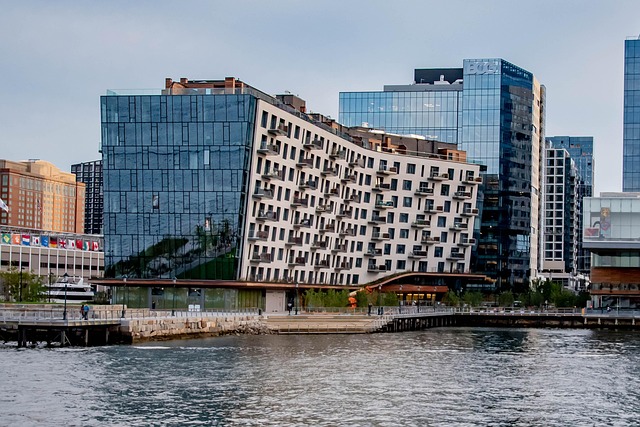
{"type": "Point", "coordinates": [32, 324]}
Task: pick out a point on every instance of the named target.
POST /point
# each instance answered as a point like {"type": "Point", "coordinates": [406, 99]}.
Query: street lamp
{"type": "Point", "coordinates": [297, 300]}
{"type": "Point", "coordinates": [419, 289]}
{"type": "Point", "coordinates": [124, 279]}
{"type": "Point", "coordinates": [173, 309]}
{"type": "Point", "coordinates": [20, 290]}
{"type": "Point", "coordinates": [65, 280]}
{"type": "Point", "coordinates": [49, 290]}
{"type": "Point", "coordinates": [380, 309]}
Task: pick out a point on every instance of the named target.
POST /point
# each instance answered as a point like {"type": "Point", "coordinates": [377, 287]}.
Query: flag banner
{"type": "Point", "coordinates": [6, 238]}
{"type": "Point", "coordinates": [85, 245]}
{"type": "Point", "coordinates": [79, 244]}
{"type": "Point", "coordinates": [16, 239]}
{"type": "Point", "coordinates": [26, 240]}
{"type": "Point", "coordinates": [35, 240]}
{"type": "Point", "coordinates": [53, 242]}
{"type": "Point", "coordinates": [4, 206]}
{"type": "Point", "coordinates": [95, 246]}
{"type": "Point", "coordinates": [62, 243]}
{"type": "Point", "coordinates": [71, 244]}
{"type": "Point", "coordinates": [44, 241]}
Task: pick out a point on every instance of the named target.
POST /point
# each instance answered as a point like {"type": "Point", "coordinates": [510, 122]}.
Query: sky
{"type": "Point", "coordinates": [59, 57]}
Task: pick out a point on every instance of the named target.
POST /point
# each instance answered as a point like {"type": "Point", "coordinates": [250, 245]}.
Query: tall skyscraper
{"type": "Point", "coordinates": [41, 197]}
{"type": "Point", "coordinates": [91, 174]}
{"type": "Point", "coordinates": [494, 111]}
{"type": "Point", "coordinates": [580, 149]}
{"type": "Point", "coordinates": [631, 118]}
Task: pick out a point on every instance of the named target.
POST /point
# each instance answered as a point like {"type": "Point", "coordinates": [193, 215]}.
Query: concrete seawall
{"type": "Point", "coordinates": [135, 330]}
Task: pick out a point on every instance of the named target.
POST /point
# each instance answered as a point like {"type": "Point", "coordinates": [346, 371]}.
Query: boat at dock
{"type": "Point", "coordinates": [77, 290]}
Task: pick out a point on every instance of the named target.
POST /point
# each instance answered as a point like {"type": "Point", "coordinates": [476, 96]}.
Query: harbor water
{"type": "Point", "coordinates": [438, 377]}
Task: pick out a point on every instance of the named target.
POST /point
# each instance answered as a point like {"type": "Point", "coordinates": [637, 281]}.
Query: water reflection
{"type": "Point", "coordinates": [446, 376]}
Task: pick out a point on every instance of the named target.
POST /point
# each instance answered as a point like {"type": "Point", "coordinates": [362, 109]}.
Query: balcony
{"type": "Point", "coordinates": [319, 244]}
{"type": "Point", "coordinates": [470, 179]}
{"type": "Point", "coordinates": [418, 254]}
{"type": "Point", "coordinates": [262, 193]}
{"type": "Point", "coordinates": [330, 172]}
{"type": "Point", "coordinates": [274, 173]}
{"type": "Point", "coordinates": [459, 226]}
{"type": "Point", "coordinates": [281, 130]}
{"type": "Point", "coordinates": [328, 228]}
{"type": "Point", "coordinates": [338, 153]}
{"type": "Point", "coordinates": [352, 198]}
{"type": "Point", "coordinates": [306, 223]}
{"type": "Point", "coordinates": [467, 242]}
{"type": "Point", "coordinates": [332, 192]}
{"type": "Point", "coordinates": [455, 256]}
{"type": "Point", "coordinates": [377, 219]}
{"type": "Point", "coordinates": [323, 208]}
{"type": "Point", "coordinates": [372, 268]}
{"type": "Point", "coordinates": [299, 201]}
{"type": "Point", "coordinates": [256, 277]}
{"type": "Point", "coordinates": [268, 149]}
{"type": "Point", "coordinates": [428, 240]}
{"type": "Point", "coordinates": [347, 232]}
{"type": "Point", "coordinates": [380, 236]}
{"type": "Point", "coordinates": [421, 223]}
{"type": "Point", "coordinates": [382, 187]}
{"type": "Point", "coordinates": [261, 257]}
{"type": "Point", "coordinates": [431, 208]}
{"type": "Point", "coordinates": [267, 216]}
{"type": "Point", "coordinates": [305, 163]}
{"type": "Point", "coordinates": [315, 144]}
{"type": "Point", "coordinates": [294, 241]}
{"type": "Point", "coordinates": [439, 177]}
{"type": "Point", "coordinates": [343, 266]}
{"type": "Point", "coordinates": [345, 213]}
{"type": "Point", "coordinates": [258, 235]}
{"type": "Point", "coordinates": [339, 248]}
{"type": "Point", "coordinates": [357, 163]}
{"type": "Point", "coordinates": [462, 195]}
{"type": "Point", "coordinates": [384, 204]}
{"type": "Point", "coordinates": [469, 212]}
{"type": "Point", "coordinates": [297, 261]}
{"type": "Point", "coordinates": [348, 177]}
{"type": "Point", "coordinates": [308, 184]}
{"type": "Point", "coordinates": [424, 191]}
{"type": "Point", "coordinates": [386, 170]}
{"type": "Point", "coordinates": [323, 263]}
{"type": "Point", "coordinates": [373, 252]}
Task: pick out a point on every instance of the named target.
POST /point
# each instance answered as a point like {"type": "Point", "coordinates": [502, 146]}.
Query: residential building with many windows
{"type": "Point", "coordinates": [560, 213]}
{"type": "Point", "coordinates": [41, 197]}
{"type": "Point", "coordinates": [494, 111]}
{"type": "Point", "coordinates": [90, 173]}
{"type": "Point", "coordinates": [215, 180]}
{"type": "Point", "coordinates": [580, 149]}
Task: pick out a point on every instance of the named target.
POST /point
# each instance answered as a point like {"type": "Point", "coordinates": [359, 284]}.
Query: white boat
{"type": "Point", "coordinates": [77, 290]}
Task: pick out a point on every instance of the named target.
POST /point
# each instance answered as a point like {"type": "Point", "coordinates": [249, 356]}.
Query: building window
{"type": "Point", "coordinates": [404, 217]}
{"type": "Point", "coordinates": [437, 253]}
{"type": "Point", "coordinates": [411, 168]}
{"type": "Point", "coordinates": [401, 264]}
{"type": "Point", "coordinates": [400, 249]}
{"type": "Point", "coordinates": [407, 202]}
{"type": "Point", "coordinates": [406, 185]}
{"type": "Point", "coordinates": [404, 233]}
{"type": "Point", "coordinates": [442, 221]}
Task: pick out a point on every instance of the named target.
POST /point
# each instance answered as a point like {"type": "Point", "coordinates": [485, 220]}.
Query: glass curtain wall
{"type": "Point", "coordinates": [174, 183]}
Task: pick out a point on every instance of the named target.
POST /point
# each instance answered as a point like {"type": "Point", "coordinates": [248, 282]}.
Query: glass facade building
{"type": "Point", "coordinates": [631, 118]}
{"type": "Point", "coordinates": [494, 111]}
{"type": "Point", "coordinates": [175, 170]}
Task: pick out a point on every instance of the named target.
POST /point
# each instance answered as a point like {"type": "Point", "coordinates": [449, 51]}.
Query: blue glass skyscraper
{"type": "Point", "coordinates": [494, 111]}
{"type": "Point", "coordinates": [631, 119]}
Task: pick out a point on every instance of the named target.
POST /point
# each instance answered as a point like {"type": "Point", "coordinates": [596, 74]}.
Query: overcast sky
{"type": "Point", "coordinates": [58, 57]}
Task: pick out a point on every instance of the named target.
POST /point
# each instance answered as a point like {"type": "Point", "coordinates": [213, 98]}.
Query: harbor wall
{"type": "Point", "coordinates": [169, 328]}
